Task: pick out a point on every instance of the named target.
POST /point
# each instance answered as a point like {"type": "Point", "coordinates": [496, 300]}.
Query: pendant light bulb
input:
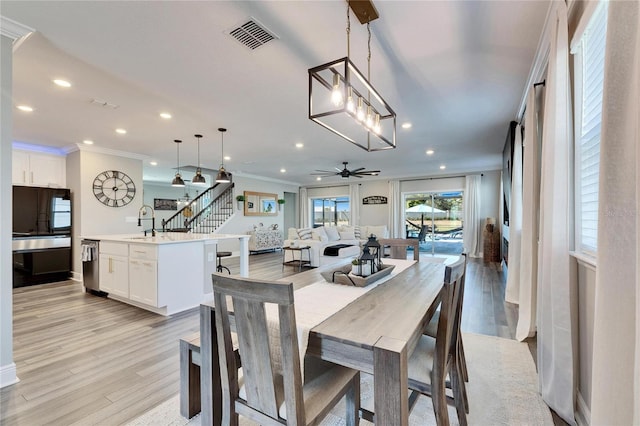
{"type": "Point", "coordinates": [351, 106]}
{"type": "Point", "coordinates": [369, 120]}
{"type": "Point", "coordinates": [198, 179]}
{"type": "Point", "coordinates": [223, 176]}
{"type": "Point", "coordinates": [377, 129]}
{"type": "Point", "coordinates": [336, 93]}
{"type": "Point", "coordinates": [177, 180]}
{"type": "Point", "coordinates": [360, 110]}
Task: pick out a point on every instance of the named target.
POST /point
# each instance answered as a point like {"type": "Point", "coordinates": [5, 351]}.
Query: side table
{"type": "Point", "coordinates": [299, 262]}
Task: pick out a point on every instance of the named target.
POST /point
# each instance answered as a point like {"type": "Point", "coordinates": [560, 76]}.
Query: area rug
{"type": "Point", "coordinates": [502, 389]}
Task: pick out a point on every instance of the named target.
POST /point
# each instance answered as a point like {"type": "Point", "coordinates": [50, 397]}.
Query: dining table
{"type": "Point", "coordinates": [374, 333]}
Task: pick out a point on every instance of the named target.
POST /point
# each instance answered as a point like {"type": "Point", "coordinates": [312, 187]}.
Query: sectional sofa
{"type": "Point", "coordinates": [318, 239]}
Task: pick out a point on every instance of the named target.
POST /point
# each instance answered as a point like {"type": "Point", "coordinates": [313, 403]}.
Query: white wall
{"type": "Point", "coordinates": [7, 366]}
{"type": "Point", "coordinates": [154, 190]}
{"type": "Point", "coordinates": [379, 214]}
{"type": "Point", "coordinates": [91, 216]}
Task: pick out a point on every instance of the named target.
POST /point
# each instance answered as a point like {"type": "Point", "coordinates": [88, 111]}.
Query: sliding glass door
{"type": "Point", "coordinates": [435, 219]}
{"type": "Point", "coordinates": [331, 211]}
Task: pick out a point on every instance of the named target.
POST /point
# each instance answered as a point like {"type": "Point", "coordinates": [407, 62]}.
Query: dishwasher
{"type": "Point", "coordinates": [90, 250]}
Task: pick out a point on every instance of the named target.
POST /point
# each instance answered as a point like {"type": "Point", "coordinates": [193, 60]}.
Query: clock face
{"type": "Point", "coordinates": [113, 188]}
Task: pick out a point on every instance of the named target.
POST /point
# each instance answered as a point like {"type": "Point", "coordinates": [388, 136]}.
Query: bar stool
{"type": "Point", "coordinates": [220, 255]}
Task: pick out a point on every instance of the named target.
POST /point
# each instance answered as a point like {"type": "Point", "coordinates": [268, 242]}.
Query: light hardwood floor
{"type": "Point", "coordinates": [87, 360]}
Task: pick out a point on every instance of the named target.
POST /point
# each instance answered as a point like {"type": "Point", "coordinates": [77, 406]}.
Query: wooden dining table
{"type": "Point", "coordinates": [375, 334]}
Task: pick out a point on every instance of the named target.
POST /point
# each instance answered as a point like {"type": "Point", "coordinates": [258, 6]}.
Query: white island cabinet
{"type": "Point", "coordinates": [165, 274]}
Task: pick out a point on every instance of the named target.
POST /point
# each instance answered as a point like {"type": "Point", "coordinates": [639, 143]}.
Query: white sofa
{"type": "Point", "coordinates": [320, 238]}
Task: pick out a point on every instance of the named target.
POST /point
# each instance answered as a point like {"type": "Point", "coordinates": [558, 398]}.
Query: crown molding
{"type": "Point", "coordinates": [90, 148]}
{"type": "Point", "coordinates": [12, 29]}
{"type": "Point", "coordinates": [249, 175]}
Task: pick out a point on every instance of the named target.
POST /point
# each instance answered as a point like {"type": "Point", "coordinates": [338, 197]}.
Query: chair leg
{"type": "Point", "coordinates": [221, 267]}
{"type": "Point", "coordinates": [439, 400]}
{"type": "Point", "coordinates": [353, 402]}
{"type": "Point", "coordinates": [458, 394]}
{"type": "Point", "coordinates": [462, 359]}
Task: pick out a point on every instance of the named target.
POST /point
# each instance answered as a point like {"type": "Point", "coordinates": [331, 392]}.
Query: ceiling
{"type": "Point", "coordinates": [456, 70]}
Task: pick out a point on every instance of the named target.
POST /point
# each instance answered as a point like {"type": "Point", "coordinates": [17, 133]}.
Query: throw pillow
{"type": "Point", "coordinates": [344, 235]}
{"type": "Point", "coordinates": [357, 231]}
{"type": "Point", "coordinates": [332, 233]}
{"type": "Point", "coordinates": [320, 234]}
{"type": "Point", "coordinates": [292, 234]}
{"type": "Point", "coordinates": [379, 231]}
{"type": "Point", "coordinates": [305, 233]}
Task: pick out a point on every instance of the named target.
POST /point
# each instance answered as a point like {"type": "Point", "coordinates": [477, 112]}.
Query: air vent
{"type": "Point", "coordinates": [103, 103]}
{"type": "Point", "coordinates": [252, 34]}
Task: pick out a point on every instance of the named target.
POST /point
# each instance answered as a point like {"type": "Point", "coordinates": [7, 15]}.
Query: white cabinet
{"type": "Point", "coordinates": [114, 268]}
{"type": "Point", "coordinates": [143, 274]}
{"type": "Point", "coordinates": [38, 169]}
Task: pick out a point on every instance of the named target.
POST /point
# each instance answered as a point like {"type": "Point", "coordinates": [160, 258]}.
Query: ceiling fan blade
{"type": "Point", "coordinates": [358, 176]}
{"type": "Point", "coordinates": [369, 172]}
{"type": "Point", "coordinates": [339, 170]}
{"type": "Point", "coordinates": [357, 170]}
{"type": "Point", "coordinates": [324, 171]}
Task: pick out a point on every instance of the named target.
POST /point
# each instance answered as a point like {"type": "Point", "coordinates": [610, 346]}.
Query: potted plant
{"type": "Point", "coordinates": [280, 203]}
{"type": "Point", "coordinates": [240, 199]}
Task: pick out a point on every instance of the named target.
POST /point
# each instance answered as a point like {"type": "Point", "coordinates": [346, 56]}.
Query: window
{"type": "Point", "coordinates": [331, 211]}
{"type": "Point", "coordinates": [589, 53]}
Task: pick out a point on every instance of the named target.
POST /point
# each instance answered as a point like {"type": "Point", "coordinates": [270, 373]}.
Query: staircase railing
{"type": "Point", "coordinates": [205, 213]}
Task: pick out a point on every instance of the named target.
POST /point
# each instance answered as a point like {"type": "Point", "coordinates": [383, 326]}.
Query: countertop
{"type": "Point", "coordinates": [165, 238]}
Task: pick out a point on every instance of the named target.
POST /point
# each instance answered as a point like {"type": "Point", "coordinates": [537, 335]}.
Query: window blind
{"type": "Point", "coordinates": [588, 145]}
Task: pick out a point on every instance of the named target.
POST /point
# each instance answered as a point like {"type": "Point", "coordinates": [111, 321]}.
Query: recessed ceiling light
{"type": "Point", "coordinates": [62, 83]}
{"type": "Point", "coordinates": [429, 152]}
{"type": "Point", "coordinates": [87, 142]}
{"type": "Point", "coordinates": [153, 163]}
{"type": "Point", "coordinates": [121, 131]}
{"type": "Point", "coordinates": [443, 167]}
{"type": "Point", "coordinates": [299, 145]}
{"type": "Point", "coordinates": [406, 125]}
{"type": "Point", "coordinates": [227, 158]}
{"type": "Point", "coordinates": [318, 178]}
{"type": "Point", "coordinates": [165, 115]}
{"type": "Point", "coordinates": [283, 170]}
{"type": "Point", "coordinates": [25, 108]}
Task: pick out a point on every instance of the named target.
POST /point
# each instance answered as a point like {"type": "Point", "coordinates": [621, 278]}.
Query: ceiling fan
{"type": "Point", "coordinates": [346, 173]}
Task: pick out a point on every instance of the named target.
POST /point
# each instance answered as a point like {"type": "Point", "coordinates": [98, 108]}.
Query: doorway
{"type": "Point", "coordinates": [435, 219]}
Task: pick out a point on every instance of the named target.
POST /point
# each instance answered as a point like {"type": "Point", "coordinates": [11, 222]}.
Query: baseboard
{"type": "Point", "coordinates": [583, 413]}
{"type": "Point", "coordinates": [8, 375]}
{"type": "Point", "coordinates": [76, 276]}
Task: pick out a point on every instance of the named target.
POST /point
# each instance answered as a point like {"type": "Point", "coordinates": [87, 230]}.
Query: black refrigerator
{"type": "Point", "coordinates": [41, 235]}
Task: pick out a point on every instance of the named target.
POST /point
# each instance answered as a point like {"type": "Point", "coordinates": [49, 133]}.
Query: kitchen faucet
{"type": "Point", "coordinates": [143, 212]}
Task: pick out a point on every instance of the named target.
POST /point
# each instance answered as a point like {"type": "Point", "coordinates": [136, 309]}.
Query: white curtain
{"type": "Point", "coordinates": [616, 339]}
{"type": "Point", "coordinates": [515, 221]}
{"type": "Point", "coordinates": [354, 197]}
{"type": "Point", "coordinates": [304, 208]}
{"type": "Point", "coordinates": [529, 237]}
{"type": "Point", "coordinates": [556, 283]}
{"type": "Point", "coordinates": [395, 210]}
{"type": "Point", "coordinates": [471, 234]}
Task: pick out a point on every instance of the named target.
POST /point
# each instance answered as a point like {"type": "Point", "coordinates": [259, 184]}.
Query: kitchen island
{"type": "Point", "coordinates": [167, 273]}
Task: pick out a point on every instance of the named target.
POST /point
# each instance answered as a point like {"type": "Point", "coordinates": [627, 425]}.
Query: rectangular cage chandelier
{"type": "Point", "coordinates": [343, 100]}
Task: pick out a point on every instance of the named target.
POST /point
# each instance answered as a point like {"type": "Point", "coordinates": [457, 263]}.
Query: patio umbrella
{"type": "Point", "coordinates": [422, 209]}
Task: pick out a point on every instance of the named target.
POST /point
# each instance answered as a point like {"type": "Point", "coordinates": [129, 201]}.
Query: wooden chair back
{"type": "Point", "coordinates": [449, 322]}
{"type": "Point", "coordinates": [399, 247]}
{"type": "Point", "coordinates": [248, 300]}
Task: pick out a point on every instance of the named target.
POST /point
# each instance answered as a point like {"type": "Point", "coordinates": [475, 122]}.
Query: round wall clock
{"type": "Point", "coordinates": [113, 188]}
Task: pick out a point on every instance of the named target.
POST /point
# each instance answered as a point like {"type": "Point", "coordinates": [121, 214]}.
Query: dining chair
{"type": "Point", "coordinates": [436, 358]}
{"type": "Point", "coordinates": [432, 329]}
{"type": "Point", "coordinates": [398, 247]}
{"type": "Point", "coordinates": [262, 392]}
